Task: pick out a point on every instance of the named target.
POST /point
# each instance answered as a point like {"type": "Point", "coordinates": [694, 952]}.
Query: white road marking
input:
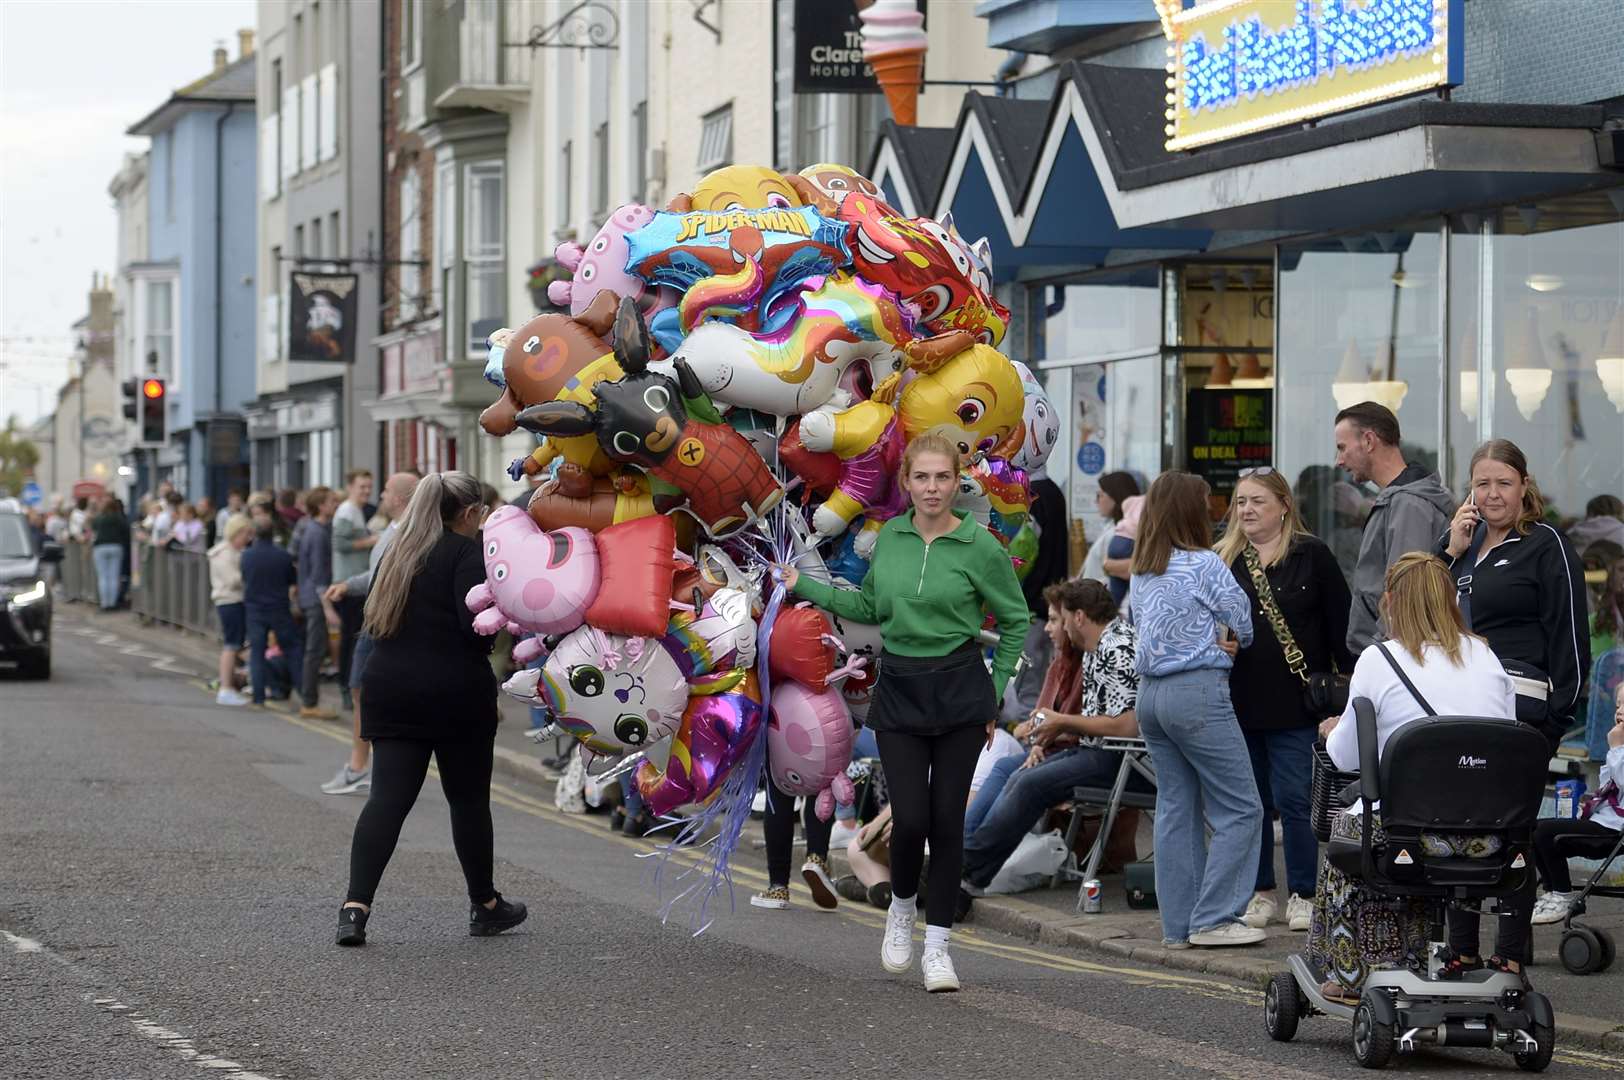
{"type": "Point", "coordinates": [160, 661]}
{"type": "Point", "coordinates": [171, 1040]}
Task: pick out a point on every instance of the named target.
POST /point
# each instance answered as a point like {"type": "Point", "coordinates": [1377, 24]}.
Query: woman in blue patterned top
{"type": "Point", "coordinates": [1182, 594]}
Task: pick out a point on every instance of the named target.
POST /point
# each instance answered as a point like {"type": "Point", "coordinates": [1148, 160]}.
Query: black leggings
{"type": "Point", "coordinates": [398, 769]}
{"type": "Point", "coordinates": [778, 826]}
{"type": "Point", "coordinates": [928, 777]}
{"type": "Point", "coordinates": [1555, 839]}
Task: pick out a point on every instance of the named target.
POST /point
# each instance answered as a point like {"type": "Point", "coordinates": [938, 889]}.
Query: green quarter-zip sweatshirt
{"type": "Point", "coordinates": [928, 598]}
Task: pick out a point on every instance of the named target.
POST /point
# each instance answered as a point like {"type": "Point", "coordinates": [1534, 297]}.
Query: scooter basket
{"type": "Point", "coordinates": [1325, 787]}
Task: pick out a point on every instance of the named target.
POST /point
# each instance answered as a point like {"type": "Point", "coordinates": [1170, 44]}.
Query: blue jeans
{"type": "Point", "coordinates": [986, 796]}
{"type": "Point", "coordinates": [261, 623]}
{"type": "Point", "coordinates": [1202, 771]}
{"type": "Point", "coordinates": [1282, 764]}
{"type": "Point", "coordinates": [1015, 798]}
{"type": "Point", "coordinates": [108, 559]}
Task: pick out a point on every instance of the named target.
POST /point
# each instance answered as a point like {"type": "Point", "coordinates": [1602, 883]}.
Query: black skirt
{"type": "Point", "coordinates": [931, 695]}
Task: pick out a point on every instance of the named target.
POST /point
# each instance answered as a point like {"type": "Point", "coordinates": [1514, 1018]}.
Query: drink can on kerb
{"type": "Point", "coordinates": [1091, 896]}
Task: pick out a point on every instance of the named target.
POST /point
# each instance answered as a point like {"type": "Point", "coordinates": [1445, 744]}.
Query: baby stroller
{"type": "Point", "coordinates": [1586, 950]}
{"type": "Point", "coordinates": [1438, 777]}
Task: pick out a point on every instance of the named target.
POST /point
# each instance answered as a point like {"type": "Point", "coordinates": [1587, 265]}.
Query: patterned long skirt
{"type": "Point", "coordinates": [1356, 930]}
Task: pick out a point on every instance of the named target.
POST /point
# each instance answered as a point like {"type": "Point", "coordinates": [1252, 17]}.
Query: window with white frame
{"type": "Point", "coordinates": [566, 209]}
{"type": "Point", "coordinates": [327, 122]}
{"type": "Point", "coordinates": [411, 248]}
{"type": "Point", "coordinates": [600, 172]}
{"type": "Point", "coordinates": [445, 242]}
{"type": "Point", "coordinates": [289, 138]}
{"type": "Point", "coordinates": [158, 328]}
{"type": "Point", "coordinates": [411, 33]}
{"type": "Point", "coordinates": [484, 253]}
{"type": "Point", "coordinates": [310, 107]}
{"type": "Point", "coordinates": [716, 139]}
{"type": "Point", "coordinates": [639, 162]}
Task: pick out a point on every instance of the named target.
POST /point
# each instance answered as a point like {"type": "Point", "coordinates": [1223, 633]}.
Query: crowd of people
{"type": "Point", "coordinates": [1229, 647]}
{"type": "Point", "coordinates": [1231, 650]}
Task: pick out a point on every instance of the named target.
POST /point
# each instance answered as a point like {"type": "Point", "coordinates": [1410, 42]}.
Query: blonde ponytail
{"type": "Point", "coordinates": [438, 499]}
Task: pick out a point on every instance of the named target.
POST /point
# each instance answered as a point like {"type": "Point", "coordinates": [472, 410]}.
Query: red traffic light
{"type": "Point", "coordinates": [152, 388]}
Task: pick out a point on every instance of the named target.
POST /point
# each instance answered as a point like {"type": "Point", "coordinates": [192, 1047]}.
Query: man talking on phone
{"type": "Point", "coordinates": [1410, 514]}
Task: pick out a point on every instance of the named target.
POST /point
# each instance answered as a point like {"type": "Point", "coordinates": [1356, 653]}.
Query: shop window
{"type": "Point", "coordinates": [1536, 306]}
{"type": "Point", "coordinates": [1359, 320]}
{"type": "Point", "coordinates": [1103, 318]}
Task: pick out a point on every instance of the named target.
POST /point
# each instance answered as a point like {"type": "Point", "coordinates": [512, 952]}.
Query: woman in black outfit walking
{"type": "Point", "coordinates": [1520, 588]}
{"type": "Point", "coordinates": [429, 690]}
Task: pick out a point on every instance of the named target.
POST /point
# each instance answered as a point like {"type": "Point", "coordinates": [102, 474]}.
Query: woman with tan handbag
{"type": "Point", "coordinates": [1283, 684]}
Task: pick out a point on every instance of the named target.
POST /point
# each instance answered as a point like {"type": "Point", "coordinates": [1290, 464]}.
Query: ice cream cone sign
{"type": "Point", "coordinates": [894, 44]}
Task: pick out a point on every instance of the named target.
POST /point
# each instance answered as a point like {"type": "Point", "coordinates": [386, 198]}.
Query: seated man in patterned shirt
{"type": "Point", "coordinates": [1089, 691]}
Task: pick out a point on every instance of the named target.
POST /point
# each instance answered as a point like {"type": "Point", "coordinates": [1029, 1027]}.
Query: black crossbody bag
{"type": "Point", "coordinates": [1324, 693]}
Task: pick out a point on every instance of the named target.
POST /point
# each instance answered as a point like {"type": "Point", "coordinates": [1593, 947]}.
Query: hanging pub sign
{"type": "Point", "coordinates": [1227, 431]}
{"type": "Point", "coordinates": [1239, 66]}
{"type": "Point", "coordinates": [322, 313]}
{"type": "Point", "coordinates": [829, 48]}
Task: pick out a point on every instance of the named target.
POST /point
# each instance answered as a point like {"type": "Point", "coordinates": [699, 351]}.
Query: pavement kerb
{"type": "Point", "coordinates": [1003, 914]}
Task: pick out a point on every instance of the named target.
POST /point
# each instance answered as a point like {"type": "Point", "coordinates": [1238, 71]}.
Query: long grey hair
{"type": "Point", "coordinates": [439, 498]}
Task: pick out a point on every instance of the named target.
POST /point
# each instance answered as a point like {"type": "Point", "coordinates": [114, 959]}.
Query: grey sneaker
{"type": "Point", "coordinates": [347, 781]}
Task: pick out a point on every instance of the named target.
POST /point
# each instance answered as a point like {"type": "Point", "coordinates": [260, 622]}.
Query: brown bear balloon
{"type": "Point", "coordinates": [556, 357]}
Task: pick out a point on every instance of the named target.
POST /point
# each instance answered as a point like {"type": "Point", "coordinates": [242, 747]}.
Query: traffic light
{"type": "Point", "coordinates": [132, 399]}
{"type": "Point", "coordinates": [154, 413]}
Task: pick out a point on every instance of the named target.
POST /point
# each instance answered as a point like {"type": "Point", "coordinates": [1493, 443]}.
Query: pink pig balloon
{"type": "Point", "coordinates": [809, 737]}
{"type": "Point", "coordinates": [601, 267]}
{"type": "Point", "coordinates": [535, 581]}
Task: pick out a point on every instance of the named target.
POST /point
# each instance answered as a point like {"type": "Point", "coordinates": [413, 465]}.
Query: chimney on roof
{"type": "Point", "coordinates": [220, 57]}
{"type": "Point", "coordinates": [245, 43]}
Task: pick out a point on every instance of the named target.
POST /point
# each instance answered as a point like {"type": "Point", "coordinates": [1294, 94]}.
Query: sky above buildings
{"type": "Point", "coordinates": [74, 74]}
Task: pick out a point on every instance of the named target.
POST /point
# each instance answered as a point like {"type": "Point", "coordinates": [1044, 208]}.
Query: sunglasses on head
{"type": "Point", "coordinates": [1260, 470]}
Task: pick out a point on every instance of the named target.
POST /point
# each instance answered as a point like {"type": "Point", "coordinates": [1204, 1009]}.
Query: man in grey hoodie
{"type": "Point", "coordinates": [1411, 513]}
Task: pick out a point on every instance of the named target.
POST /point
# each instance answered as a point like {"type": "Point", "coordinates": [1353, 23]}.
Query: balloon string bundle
{"type": "Point", "coordinates": [729, 811]}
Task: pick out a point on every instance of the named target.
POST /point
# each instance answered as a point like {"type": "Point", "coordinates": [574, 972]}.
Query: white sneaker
{"type": "Point", "coordinates": [1260, 911]}
{"type": "Point", "coordinates": [1299, 913]}
{"type": "Point", "coordinates": [1233, 933]}
{"type": "Point", "coordinates": [896, 950]}
{"type": "Point", "coordinates": [940, 978]}
{"type": "Point", "coordinates": [227, 696]}
{"type": "Point", "coordinates": [842, 834]}
{"type": "Point", "coordinates": [1552, 908]}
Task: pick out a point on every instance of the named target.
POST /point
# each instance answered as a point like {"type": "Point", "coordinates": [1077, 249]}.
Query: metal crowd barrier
{"type": "Point", "coordinates": [172, 587]}
{"type": "Point", "coordinates": [76, 573]}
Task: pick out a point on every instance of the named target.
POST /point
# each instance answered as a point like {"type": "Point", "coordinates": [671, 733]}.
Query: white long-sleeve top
{"type": "Point", "coordinates": [1612, 770]}
{"type": "Point", "coordinates": [1479, 686]}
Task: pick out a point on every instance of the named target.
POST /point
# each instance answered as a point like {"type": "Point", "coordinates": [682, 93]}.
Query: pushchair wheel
{"type": "Point", "coordinates": [1608, 951]}
{"type": "Point", "coordinates": [1583, 951]}
{"type": "Point", "coordinates": [1280, 1007]}
{"type": "Point", "coordinates": [1373, 1031]}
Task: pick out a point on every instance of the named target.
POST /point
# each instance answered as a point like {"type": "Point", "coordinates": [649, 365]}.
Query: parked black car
{"type": "Point", "coordinates": [25, 628]}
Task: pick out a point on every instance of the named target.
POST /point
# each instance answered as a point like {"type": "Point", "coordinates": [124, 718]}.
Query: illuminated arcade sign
{"type": "Point", "coordinates": [1240, 66]}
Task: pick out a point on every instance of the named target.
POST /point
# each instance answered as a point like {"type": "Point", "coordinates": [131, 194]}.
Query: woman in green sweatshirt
{"type": "Point", "coordinates": [932, 575]}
